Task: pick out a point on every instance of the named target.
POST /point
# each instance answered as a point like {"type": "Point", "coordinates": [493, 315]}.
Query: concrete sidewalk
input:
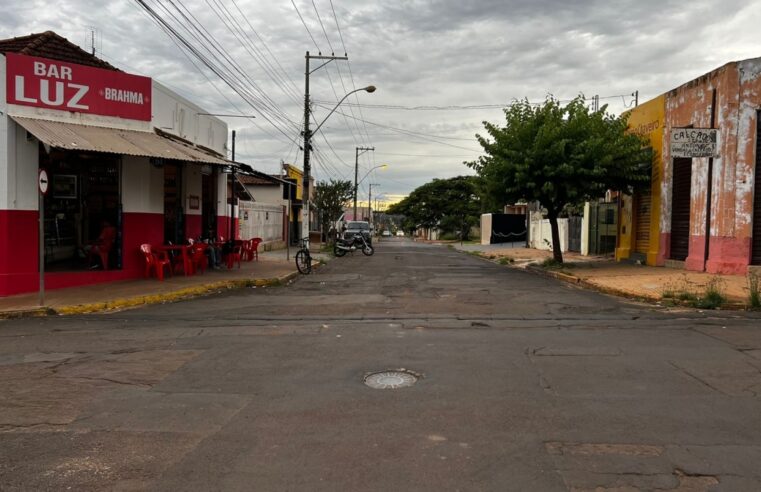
{"type": "Point", "coordinates": [654, 284]}
{"type": "Point", "coordinates": [271, 269]}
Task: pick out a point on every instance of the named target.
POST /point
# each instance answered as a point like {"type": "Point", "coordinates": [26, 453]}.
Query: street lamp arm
{"type": "Point", "coordinates": [368, 173]}
{"type": "Point", "coordinates": [370, 88]}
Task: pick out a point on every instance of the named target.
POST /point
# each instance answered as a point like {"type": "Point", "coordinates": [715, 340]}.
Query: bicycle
{"type": "Point", "coordinates": [304, 258]}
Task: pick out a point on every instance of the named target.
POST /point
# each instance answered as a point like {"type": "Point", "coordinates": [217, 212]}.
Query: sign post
{"type": "Point", "coordinates": [43, 183]}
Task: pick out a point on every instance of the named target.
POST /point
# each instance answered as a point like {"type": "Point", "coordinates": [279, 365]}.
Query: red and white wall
{"type": "Point", "coordinates": [738, 100]}
{"type": "Point", "coordinates": [142, 187]}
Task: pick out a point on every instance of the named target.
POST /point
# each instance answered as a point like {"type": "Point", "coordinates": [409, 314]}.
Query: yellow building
{"type": "Point", "coordinates": [639, 225]}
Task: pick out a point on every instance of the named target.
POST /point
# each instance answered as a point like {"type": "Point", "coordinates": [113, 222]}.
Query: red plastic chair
{"type": "Point", "coordinates": [252, 252]}
{"type": "Point", "coordinates": [198, 257]}
{"type": "Point", "coordinates": [101, 248]}
{"type": "Point", "coordinates": [155, 261]}
{"type": "Point", "coordinates": [234, 255]}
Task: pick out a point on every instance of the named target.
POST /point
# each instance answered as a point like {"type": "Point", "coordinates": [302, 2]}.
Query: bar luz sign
{"type": "Point", "coordinates": [43, 83]}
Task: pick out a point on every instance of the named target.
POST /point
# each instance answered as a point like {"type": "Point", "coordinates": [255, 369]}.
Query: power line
{"type": "Point", "coordinates": [340, 35]}
{"type": "Point", "coordinates": [419, 135]}
{"type": "Point", "coordinates": [305, 25]}
{"type": "Point", "coordinates": [225, 70]}
{"type": "Point", "coordinates": [425, 155]}
{"type": "Point", "coordinates": [330, 45]}
{"type": "Point", "coordinates": [458, 107]}
{"type": "Point", "coordinates": [237, 29]}
{"type": "Point", "coordinates": [266, 47]}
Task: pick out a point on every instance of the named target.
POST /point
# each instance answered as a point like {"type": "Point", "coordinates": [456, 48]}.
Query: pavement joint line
{"type": "Point", "coordinates": [145, 300]}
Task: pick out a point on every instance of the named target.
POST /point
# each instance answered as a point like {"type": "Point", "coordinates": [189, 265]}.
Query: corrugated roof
{"type": "Point", "coordinates": [111, 140]}
{"type": "Point", "coordinates": [50, 45]}
{"type": "Point", "coordinates": [255, 180]}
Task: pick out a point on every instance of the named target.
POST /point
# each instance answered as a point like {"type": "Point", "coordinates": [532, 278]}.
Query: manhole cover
{"type": "Point", "coordinates": [390, 379]}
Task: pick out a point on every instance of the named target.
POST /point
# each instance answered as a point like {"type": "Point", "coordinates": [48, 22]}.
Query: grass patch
{"type": "Point", "coordinates": [506, 260]}
{"type": "Point", "coordinates": [551, 264]}
{"type": "Point", "coordinates": [713, 295]}
{"type": "Point", "coordinates": [685, 292]}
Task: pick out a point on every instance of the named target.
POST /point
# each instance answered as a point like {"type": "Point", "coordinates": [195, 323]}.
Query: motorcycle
{"type": "Point", "coordinates": [357, 241]}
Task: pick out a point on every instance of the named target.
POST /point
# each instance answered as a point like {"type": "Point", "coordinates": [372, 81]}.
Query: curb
{"type": "Point", "coordinates": [728, 306]}
{"type": "Point", "coordinates": [129, 302]}
{"type": "Point", "coordinates": [27, 313]}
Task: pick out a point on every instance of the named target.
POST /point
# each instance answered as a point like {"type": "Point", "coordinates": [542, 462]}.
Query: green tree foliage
{"type": "Point", "coordinates": [559, 155]}
{"type": "Point", "coordinates": [451, 205]}
{"type": "Point", "coordinates": [330, 198]}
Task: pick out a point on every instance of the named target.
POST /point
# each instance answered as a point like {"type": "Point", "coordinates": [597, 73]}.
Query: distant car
{"type": "Point", "coordinates": [400, 233]}
{"type": "Point", "coordinates": [386, 233]}
{"type": "Point", "coordinates": [358, 226]}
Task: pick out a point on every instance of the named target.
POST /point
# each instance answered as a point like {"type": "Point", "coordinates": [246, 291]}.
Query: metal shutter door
{"type": "Point", "coordinates": [642, 224]}
{"type": "Point", "coordinates": [680, 209]}
{"type": "Point", "coordinates": [755, 257]}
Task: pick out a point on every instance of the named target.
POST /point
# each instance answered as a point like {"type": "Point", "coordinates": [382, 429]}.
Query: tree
{"type": "Point", "coordinates": [330, 198]}
{"type": "Point", "coordinates": [560, 155]}
{"type": "Point", "coordinates": [451, 205]}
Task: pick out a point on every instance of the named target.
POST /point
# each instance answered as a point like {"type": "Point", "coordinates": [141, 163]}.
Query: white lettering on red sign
{"type": "Point", "coordinates": [59, 98]}
{"type": "Point", "coordinates": [39, 82]}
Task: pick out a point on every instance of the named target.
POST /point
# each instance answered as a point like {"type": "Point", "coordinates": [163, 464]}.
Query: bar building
{"type": "Point", "coordinates": [124, 155]}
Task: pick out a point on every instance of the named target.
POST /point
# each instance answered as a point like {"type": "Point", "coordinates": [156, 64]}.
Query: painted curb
{"type": "Point", "coordinates": [27, 313]}
{"type": "Point", "coordinates": [163, 298]}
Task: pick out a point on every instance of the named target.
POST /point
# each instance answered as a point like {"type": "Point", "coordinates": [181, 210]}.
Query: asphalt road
{"type": "Point", "coordinates": [525, 384]}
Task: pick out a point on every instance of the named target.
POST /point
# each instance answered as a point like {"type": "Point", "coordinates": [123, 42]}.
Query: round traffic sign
{"type": "Point", "coordinates": [43, 181]}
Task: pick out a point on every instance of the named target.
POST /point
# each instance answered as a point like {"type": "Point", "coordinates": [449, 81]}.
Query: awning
{"type": "Point", "coordinates": [72, 136]}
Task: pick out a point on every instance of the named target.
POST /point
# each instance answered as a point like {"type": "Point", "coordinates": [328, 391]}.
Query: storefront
{"type": "Point", "coordinates": [129, 162]}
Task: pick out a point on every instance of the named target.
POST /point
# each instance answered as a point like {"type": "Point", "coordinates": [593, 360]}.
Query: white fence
{"type": "Point", "coordinates": [541, 234]}
{"type": "Point", "coordinates": [262, 220]}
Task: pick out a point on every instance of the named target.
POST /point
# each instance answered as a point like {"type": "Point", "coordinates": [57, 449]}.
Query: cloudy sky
{"type": "Point", "coordinates": [441, 66]}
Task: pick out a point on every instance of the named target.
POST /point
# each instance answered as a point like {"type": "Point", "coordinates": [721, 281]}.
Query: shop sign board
{"type": "Point", "coordinates": [694, 142]}
{"type": "Point", "coordinates": [52, 84]}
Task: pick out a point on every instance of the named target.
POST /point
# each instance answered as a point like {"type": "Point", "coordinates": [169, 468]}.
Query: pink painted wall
{"type": "Point", "coordinates": [738, 97]}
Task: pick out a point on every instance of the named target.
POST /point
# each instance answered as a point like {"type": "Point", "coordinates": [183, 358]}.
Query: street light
{"type": "Point", "coordinates": [370, 203]}
{"type": "Point", "coordinates": [356, 184]}
{"type": "Point", "coordinates": [369, 88]}
{"type": "Point", "coordinates": [307, 146]}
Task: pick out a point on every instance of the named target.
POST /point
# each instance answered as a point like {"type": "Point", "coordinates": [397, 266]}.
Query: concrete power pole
{"type": "Point", "coordinates": [358, 152]}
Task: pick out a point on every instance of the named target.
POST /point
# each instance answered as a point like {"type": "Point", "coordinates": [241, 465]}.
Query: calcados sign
{"type": "Point", "coordinates": [44, 83]}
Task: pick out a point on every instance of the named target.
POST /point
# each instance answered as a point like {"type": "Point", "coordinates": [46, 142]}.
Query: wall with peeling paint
{"type": "Point", "coordinates": [738, 98]}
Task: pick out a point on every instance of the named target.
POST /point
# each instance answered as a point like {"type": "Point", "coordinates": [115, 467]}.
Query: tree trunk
{"type": "Point", "coordinates": [557, 251]}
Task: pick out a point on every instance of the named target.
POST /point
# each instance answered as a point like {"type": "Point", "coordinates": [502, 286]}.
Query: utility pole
{"type": "Point", "coordinates": [358, 152]}
{"type": "Point", "coordinates": [370, 203]}
{"type": "Point", "coordinates": [636, 98]}
{"type": "Point", "coordinates": [308, 136]}
{"type": "Point", "coordinates": [232, 192]}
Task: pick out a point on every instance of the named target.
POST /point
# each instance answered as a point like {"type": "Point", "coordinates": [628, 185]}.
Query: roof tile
{"type": "Point", "coordinates": [50, 45]}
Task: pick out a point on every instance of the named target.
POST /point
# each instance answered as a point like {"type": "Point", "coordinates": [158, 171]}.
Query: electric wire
{"type": "Point", "coordinates": [423, 136]}
{"type": "Point", "coordinates": [208, 79]}
{"type": "Point", "coordinates": [232, 68]}
{"type": "Point", "coordinates": [305, 26]}
{"type": "Point", "coordinates": [211, 61]}
{"type": "Point", "coordinates": [237, 29]}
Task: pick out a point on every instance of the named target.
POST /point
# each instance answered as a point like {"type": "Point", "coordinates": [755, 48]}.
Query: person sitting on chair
{"type": "Point", "coordinates": [101, 247]}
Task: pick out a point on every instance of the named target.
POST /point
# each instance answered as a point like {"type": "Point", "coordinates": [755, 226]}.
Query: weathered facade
{"type": "Point", "coordinates": [703, 214]}
{"type": "Point", "coordinates": [639, 230]}
{"type": "Point", "coordinates": [713, 212]}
